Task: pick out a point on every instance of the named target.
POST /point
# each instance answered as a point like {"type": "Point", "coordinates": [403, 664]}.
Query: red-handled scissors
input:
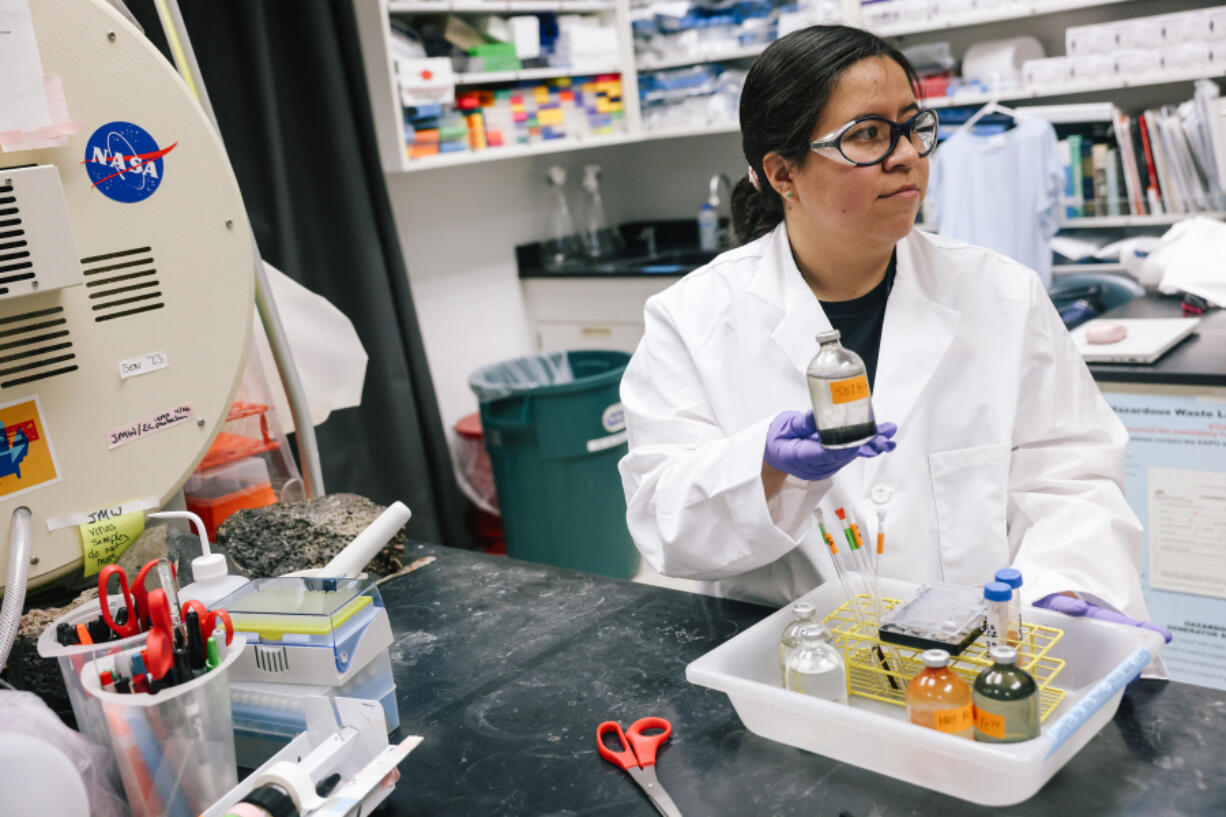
{"type": "Point", "coordinates": [638, 757]}
{"type": "Point", "coordinates": [209, 620]}
{"type": "Point", "coordinates": [135, 598]}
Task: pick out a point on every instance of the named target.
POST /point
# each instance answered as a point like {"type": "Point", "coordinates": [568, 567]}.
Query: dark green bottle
{"type": "Point", "coordinates": [1006, 700]}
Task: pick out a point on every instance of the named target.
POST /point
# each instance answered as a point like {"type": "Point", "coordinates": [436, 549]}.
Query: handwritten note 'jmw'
{"type": "Point", "coordinates": [143, 428]}
{"type": "Point", "coordinates": [105, 540]}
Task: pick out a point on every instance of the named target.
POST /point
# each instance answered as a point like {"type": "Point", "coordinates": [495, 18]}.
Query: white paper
{"type": "Point", "coordinates": [1187, 531]}
{"type": "Point", "coordinates": [143, 364]}
{"type": "Point", "coordinates": [23, 101]}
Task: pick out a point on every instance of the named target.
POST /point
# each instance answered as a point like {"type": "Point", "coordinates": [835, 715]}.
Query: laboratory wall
{"type": "Point", "coordinates": [459, 226]}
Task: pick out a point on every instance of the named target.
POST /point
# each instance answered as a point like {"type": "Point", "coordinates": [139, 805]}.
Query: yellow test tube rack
{"type": "Point", "coordinates": [880, 670]}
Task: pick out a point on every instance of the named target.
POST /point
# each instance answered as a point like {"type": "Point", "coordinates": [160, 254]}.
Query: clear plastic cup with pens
{"type": "Point", "coordinates": [175, 747]}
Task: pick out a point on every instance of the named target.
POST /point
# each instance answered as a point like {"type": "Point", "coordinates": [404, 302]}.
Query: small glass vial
{"type": "Point", "coordinates": [804, 614]}
{"type": "Point", "coordinates": [938, 699]}
{"type": "Point", "coordinates": [838, 386]}
{"type": "Point", "coordinates": [1013, 577]}
{"type": "Point", "coordinates": [998, 630]}
{"type": "Point", "coordinates": [816, 668]}
{"type": "Point", "coordinates": [1006, 700]}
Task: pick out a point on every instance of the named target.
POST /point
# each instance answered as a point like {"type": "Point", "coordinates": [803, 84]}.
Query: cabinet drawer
{"type": "Point", "coordinates": [564, 335]}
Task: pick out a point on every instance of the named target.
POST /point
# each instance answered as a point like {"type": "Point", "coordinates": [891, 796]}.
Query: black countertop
{"type": "Point", "coordinates": [1200, 360]}
{"type": "Point", "coordinates": [507, 667]}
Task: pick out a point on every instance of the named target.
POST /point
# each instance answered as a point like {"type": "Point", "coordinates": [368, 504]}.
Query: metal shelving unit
{"type": "Point", "coordinates": [373, 18]}
{"type": "Point", "coordinates": [1159, 220]}
{"type": "Point", "coordinates": [975, 17]}
{"type": "Point", "coordinates": [1115, 84]}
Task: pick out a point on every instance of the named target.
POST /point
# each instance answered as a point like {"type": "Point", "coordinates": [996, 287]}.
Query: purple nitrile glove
{"type": "Point", "coordinates": [793, 446]}
{"type": "Point", "coordinates": [1077, 607]}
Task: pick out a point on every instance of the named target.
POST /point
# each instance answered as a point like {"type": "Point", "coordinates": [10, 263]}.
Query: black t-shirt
{"type": "Point", "coordinates": [859, 321]}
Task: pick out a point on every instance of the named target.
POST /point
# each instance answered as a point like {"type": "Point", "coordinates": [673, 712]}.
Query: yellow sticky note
{"type": "Point", "coordinates": [104, 541]}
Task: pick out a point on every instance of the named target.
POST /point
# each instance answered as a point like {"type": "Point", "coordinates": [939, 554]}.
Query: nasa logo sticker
{"type": "Point", "coordinates": [124, 162]}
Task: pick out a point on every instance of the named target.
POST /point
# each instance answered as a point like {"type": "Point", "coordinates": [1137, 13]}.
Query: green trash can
{"type": "Point", "coordinates": [555, 428]}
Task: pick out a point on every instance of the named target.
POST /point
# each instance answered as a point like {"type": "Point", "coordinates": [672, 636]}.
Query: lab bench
{"type": "Point", "coordinates": [1198, 361]}
{"type": "Point", "coordinates": [507, 667]}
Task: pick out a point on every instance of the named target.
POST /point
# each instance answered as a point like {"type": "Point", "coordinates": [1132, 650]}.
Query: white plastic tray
{"type": "Point", "coordinates": [1101, 659]}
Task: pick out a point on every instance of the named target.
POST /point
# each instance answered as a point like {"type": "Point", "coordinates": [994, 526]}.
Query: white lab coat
{"type": "Point", "coordinates": [1007, 453]}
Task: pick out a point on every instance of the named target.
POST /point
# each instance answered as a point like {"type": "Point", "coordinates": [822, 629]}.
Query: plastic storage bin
{"type": "Point", "coordinates": [71, 660]}
{"type": "Point", "coordinates": [555, 429]}
{"type": "Point", "coordinates": [215, 493]}
{"type": "Point", "coordinates": [1099, 659]}
{"type": "Point", "coordinates": [175, 749]}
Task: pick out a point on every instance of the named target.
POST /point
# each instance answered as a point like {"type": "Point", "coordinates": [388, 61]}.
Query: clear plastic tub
{"type": "Point", "coordinates": [71, 659]}
{"type": "Point", "coordinates": [1099, 659]}
{"type": "Point", "coordinates": [175, 749]}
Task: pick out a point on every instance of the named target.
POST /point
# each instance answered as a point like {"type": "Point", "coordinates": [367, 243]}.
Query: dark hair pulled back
{"type": "Point", "coordinates": [785, 92]}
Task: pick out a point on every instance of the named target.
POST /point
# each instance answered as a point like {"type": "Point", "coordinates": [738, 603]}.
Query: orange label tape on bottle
{"type": "Point", "coordinates": [853, 388]}
{"type": "Point", "coordinates": [955, 720]}
{"type": "Point", "coordinates": [991, 725]}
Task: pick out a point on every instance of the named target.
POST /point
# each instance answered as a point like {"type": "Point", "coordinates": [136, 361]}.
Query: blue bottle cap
{"type": "Point", "coordinates": [997, 591]}
{"type": "Point", "coordinates": [1010, 576]}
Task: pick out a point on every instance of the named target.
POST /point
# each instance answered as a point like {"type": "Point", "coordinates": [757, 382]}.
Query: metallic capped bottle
{"type": "Point", "coordinates": [838, 386]}
{"type": "Point", "coordinates": [816, 668]}
{"type": "Point", "coordinates": [939, 699]}
{"type": "Point", "coordinates": [804, 615]}
{"type": "Point", "coordinates": [1006, 700]}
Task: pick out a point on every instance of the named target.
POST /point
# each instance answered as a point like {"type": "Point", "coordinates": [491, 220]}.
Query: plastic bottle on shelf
{"type": "Point", "coordinates": [938, 699]}
{"type": "Point", "coordinates": [211, 578]}
{"type": "Point", "coordinates": [838, 386]}
{"type": "Point", "coordinates": [816, 668]}
{"type": "Point", "coordinates": [804, 615]}
{"type": "Point", "coordinates": [599, 239]}
{"type": "Point", "coordinates": [561, 244]}
{"type": "Point", "coordinates": [1006, 700]}
{"type": "Point", "coordinates": [708, 228]}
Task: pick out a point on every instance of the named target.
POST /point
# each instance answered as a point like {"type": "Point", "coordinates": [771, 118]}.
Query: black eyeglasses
{"type": "Point", "coordinates": [868, 140]}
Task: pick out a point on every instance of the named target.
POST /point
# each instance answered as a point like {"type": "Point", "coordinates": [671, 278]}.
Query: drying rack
{"type": "Point", "coordinates": [880, 670]}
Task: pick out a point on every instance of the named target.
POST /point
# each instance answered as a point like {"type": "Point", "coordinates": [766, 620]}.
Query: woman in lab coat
{"type": "Point", "coordinates": [1006, 453]}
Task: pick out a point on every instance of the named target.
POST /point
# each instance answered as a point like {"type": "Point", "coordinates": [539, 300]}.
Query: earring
{"type": "Point", "coordinates": [790, 195]}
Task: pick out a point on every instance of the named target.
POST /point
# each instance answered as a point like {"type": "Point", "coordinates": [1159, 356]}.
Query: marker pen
{"type": "Point", "coordinates": [107, 681]}
{"type": "Point", "coordinates": [196, 653]}
{"type": "Point", "coordinates": [65, 635]}
{"type": "Point", "coordinates": [83, 636]}
{"type": "Point", "coordinates": [140, 681]}
{"type": "Point", "coordinates": [219, 638]}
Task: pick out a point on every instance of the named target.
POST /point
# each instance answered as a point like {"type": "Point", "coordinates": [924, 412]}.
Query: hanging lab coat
{"type": "Point", "coordinates": [1007, 454]}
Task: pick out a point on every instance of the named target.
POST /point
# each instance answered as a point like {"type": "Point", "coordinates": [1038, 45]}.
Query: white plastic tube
{"type": "Point", "coordinates": [358, 553]}
{"type": "Point", "coordinates": [15, 584]}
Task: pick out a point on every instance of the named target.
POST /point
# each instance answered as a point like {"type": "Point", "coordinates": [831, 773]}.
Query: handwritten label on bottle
{"type": "Point", "coordinates": [955, 720]}
{"type": "Point", "coordinates": [991, 725]}
{"type": "Point", "coordinates": [849, 390]}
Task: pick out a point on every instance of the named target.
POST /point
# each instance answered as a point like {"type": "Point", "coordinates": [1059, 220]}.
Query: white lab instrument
{"type": "Point", "coordinates": [968, 335]}
{"type": "Point", "coordinates": [1145, 339]}
{"type": "Point", "coordinates": [1099, 659]}
{"type": "Point", "coordinates": [126, 325]}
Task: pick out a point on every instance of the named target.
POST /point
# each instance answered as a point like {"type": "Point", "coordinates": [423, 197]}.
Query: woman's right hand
{"type": "Point", "coordinates": [794, 447]}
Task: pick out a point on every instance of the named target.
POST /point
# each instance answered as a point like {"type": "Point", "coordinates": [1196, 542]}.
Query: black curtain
{"type": "Point", "coordinates": [287, 85]}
